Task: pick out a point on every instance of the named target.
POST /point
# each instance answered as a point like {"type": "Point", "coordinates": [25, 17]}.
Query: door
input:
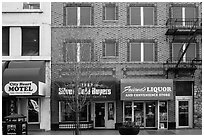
{"type": "Point", "coordinates": [150, 114]}
{"type": "Point", "coordinates": [99, 114]}
{"type": "Point", "coordinates": [184, 113]}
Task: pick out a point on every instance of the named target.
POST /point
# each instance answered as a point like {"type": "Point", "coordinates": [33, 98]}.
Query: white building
{"type": "Point", "coordinates": [26, 61]}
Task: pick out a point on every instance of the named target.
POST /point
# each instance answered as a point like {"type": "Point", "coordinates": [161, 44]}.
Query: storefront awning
{"type": "Point", "coordinates": [24, 78]}
{"type": "Point", "coordinates": [146, 89]}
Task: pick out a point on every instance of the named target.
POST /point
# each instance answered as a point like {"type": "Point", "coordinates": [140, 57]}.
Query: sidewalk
{"type": "Point", "coordinates": [115, 132]}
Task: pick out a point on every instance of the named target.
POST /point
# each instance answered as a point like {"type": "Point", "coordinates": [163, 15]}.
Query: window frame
{"type": "Point", "coordinates": [185, 58]}
{"type": "Point", "coordinates": [78, 45]}
{"type": "Point", "coordinates": [141, 15]}
{"type": "Point", "coordinates": [29, 4]}
{"type": "Point", "coordinates": [104, 48]}
{"type": "Point", "coordinates": [142, 51]}
{"type": "Point", "coordinates": [30, 27]}
{"type": "Point", "coordinates": [78, 15]}
{"type": "Point", "coordinates": [115, 15]}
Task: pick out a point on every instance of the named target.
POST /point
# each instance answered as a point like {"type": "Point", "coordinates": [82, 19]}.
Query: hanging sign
{"type": "Point", "coordinates": [146, 89]}
{"type": "Point", "coordinates": [20, 88]}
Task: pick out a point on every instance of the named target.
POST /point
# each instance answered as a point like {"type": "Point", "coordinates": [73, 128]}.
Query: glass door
{"type": "Point", "coordinates": [184, 112]}
{"type": "Point", "coordinates": [139, 113]}
{"type": "Point", "coordinates": [99, 114]}
{"type": "Point", "coordinates": [150, 114]}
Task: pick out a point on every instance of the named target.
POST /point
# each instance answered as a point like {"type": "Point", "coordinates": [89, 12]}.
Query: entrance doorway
{"type": "Point", "coordinates": [99, 114]}
{"type": "Point", "coordinates": [184, 112]}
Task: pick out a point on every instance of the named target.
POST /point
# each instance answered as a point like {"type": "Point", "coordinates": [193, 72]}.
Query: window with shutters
{"type": "Point", "coordinates": [78, 16]}
{"type": "Point", "coordinates": [141, 16]}
{"type": "Point", "coordinates": [141, 52]}
{"type": "Point", "coordinates": [79, 52]}
{"type": "Point", "coordinates": [178, 48]}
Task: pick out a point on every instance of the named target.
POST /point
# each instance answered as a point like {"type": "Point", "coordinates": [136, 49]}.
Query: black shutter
{"type": "Point", "coordinates": [103, 49]}
{"type": "Point", "coordinates": [92, 15]}
{"type": "Point", "coordinates": [64, 16]}
{"type": "Point", "coordinates": [104, 12]}
{"type": "Point", "coordinates": [117, 12]}
{"type": "Point", "coordinates": [117, 48]}
{"type": "Point", "coordinates": [128, 15]}
{"type": "Point", "coordinates": [155, 52]}
{"type": "Point", "coordinates": [155, 15]}
{"type": "Point", "coordinates": [128, 51]}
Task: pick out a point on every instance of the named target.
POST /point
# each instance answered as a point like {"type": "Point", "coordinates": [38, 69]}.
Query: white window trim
{"type": "Point", "coordinates": [114, 14]}
{"type": "Point", "coordinates": [142, 52]}
{"type": "Point", "coordinates": [115, 50]}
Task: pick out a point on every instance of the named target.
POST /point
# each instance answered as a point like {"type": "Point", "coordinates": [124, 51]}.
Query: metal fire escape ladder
{"type": "Point", "coordinates": [188, 44]}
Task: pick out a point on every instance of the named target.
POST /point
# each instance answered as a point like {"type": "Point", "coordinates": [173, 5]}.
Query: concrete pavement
{"type": "Point", "coordinates": [115, 132]}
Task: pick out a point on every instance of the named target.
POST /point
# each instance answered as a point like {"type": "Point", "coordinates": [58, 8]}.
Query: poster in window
{"type": "Point", "coordinates": [111, 111]}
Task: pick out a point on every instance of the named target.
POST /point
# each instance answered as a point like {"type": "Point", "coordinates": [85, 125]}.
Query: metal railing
{"type": "Point", "coordinates": [174, 23]}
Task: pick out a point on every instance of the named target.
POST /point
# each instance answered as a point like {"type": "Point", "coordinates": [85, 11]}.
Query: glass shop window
{"type": "Point", "coordinates": [33, 110]}
{"type": "Point", "coordinates": [128, 111]}
{"type": "Point", "coordinates": [163, 114]}
{"type": "Point", "coordinates": [30, 41]}
{"type": "Point", "coordinates": [67, 114]}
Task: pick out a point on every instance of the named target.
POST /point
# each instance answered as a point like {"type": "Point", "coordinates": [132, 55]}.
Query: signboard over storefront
{"type": "Point", "coordinates": [146, 89]}
{"type": "Point", "coordinates": [20, 88]}
{"type": "Point", "coordinates": [99, 91]}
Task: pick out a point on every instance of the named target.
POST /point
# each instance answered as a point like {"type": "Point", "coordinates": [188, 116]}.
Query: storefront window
{"type": "Point", "coordinates": [139, 114]}
{"type": "Point", "coordinates": [33, 110]}
{"type": "Point", "coordinates": [67, 114]}
{"type": "Point", "coordinates": [128, 111]}
{"type": "Point", "coordinates": [163, 114]}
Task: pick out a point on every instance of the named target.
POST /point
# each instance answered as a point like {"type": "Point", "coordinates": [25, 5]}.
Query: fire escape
{"type": "Point", "coordinates": [185, 30]}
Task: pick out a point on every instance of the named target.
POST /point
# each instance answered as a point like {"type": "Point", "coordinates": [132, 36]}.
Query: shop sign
{"type": "Point", "coordinates": [20, 88]}
{"type": "Point", "coordinates": [98, 91]}
{"type": "Point", "coordinates": [147, 89]}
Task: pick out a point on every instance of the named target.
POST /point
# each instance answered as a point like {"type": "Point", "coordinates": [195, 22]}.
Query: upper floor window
{"type": "Point", "coordinates": [110, 12]}
{"type": "Point", "coordinates": [141, 52]}
{"type": "Point", "coordinates": [183, 15]}
{"type": "Point", "coordinates": [110, 48]}
{"type": "Point", "coordinates": [79, 52]}
{"type": "Point", "coordinates": [5, 41]}
{"type": "Point", "coordinates": [30, 41]}
{"type": "Point", "coordinates": [31, 5]}
{"type": "Point", "coordinates": [178, 48]}
{"type": "Point", "coordinates": [141, 16]}
{"type": "Point", "coordinates": [78, 15]}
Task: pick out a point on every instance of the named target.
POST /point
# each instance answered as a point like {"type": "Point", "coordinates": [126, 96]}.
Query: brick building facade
{"type": "Point", "coordinates": [120, 32]}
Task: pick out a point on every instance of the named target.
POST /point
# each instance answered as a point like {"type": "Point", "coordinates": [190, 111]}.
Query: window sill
{"type": "Point", "coordinates": [112, 21]}
{"type": "Point", "coordinates": [24, 11]}
{"type": "Point", "coordinates": [110, 57]}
